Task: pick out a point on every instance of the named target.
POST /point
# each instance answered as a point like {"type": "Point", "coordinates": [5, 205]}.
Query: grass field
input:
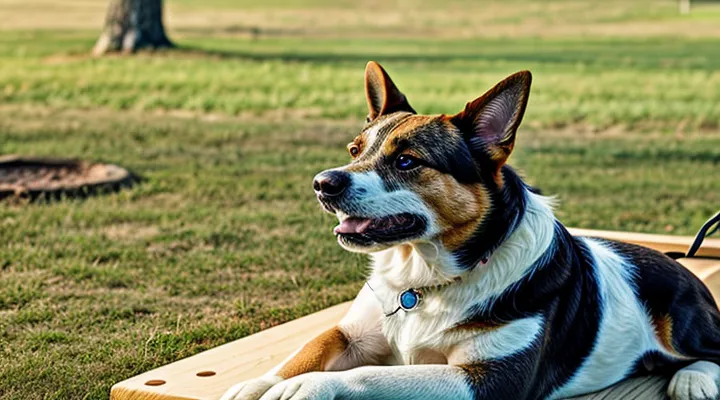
{"type": "Point", "coordinates": [224, 237]}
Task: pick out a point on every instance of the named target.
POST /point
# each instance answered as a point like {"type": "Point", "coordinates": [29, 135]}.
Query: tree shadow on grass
{"type": "Point", "coordinates": [629, 54]}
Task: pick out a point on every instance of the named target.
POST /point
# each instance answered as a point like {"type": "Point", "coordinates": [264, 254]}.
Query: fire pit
{"type": "Point", "coordinates": [47, 178]}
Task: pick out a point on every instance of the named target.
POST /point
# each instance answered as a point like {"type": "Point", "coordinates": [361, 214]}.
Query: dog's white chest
{"type": "Point", "coordinates": [415, 334]}
{"type": "Point", "coordinates": [425, 333]}
{"type": "Point", "coordinates": [413, 339]}
{"type": "Point", "coordinates": [418, 341]}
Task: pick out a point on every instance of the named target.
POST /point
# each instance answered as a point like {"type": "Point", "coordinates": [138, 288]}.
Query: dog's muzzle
{"type": "Point", "coordinates": [330, 186]}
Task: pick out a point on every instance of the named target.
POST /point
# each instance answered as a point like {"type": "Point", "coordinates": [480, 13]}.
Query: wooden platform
{"type": "Point", "coordinates": [664, 243]}
{"type": "Point", "coordinates": [208, 374]}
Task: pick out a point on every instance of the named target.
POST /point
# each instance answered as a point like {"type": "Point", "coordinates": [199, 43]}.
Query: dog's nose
{"type": "Point", "coordinates": [331, 183]}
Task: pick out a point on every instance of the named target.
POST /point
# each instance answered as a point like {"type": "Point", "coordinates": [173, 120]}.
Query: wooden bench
{"type": "Point", "coordinates": [208, 374]}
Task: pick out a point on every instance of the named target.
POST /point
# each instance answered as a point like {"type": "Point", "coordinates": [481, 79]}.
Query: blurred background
{"type": "Point", "coordinates": [223, 237]}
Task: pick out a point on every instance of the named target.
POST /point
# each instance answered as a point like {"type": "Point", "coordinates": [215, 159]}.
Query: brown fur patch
{"type": "Point", "coordinates": [369, 153]}
{"type": "Point", "coordinates": [663, 330]}
{"type": "Point", "coordinates": [405, 251]}
{"type": "Point", "coordinates": [477, 326]}
{"type": "Point", "coordinates": [459, 208]}
{"type": "Point", "coordinates": [361, 166]}
{"type": "Point", "coordinates": [475, 372]}
{"type": "Point", "coordinates": [317, 354]}
{"type": "Point", "coordinates": [406, 129]}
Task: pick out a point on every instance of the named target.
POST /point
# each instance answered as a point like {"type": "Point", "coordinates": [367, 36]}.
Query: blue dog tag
{"type": "Point", "coordinates": [409, 299]}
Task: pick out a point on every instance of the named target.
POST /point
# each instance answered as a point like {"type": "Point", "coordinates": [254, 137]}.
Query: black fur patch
{"type": "Point", "coordinates": [563, 289]}
{"type": "Point", "coordinates": [668, 289]}
{"type": "Point", "coordinates": [389, 123]}
{"type": "Point", "coordinates": [449, 156]}
{"type": "Point", "coordinates": [508, 209]}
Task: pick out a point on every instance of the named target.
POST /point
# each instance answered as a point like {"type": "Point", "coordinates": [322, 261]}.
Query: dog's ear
{"type": "Point", "coordinates": [383, 97]}
{"type": "Point", "coordinates": [489, 123]}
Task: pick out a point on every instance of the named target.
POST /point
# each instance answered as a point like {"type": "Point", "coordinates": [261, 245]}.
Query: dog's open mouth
{"type": "Point", "coordinates": [368, 231]}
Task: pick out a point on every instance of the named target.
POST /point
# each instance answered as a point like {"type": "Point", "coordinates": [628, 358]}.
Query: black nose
{"type": "Point", "coordinates": [331, 183]}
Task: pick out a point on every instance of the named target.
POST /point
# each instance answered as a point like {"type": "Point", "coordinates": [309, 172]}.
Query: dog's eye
{"type": "Point", "coordinates": [405, 162]}
{"type": "Point", "coordinates": [354, 150]}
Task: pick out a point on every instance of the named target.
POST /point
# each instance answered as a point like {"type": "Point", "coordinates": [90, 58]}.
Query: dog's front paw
{"type": "Point", "coordinates": [311, 386]}
{"type": "Point", "coordinates": [693, 383]}
{"type": "Point", "coordinates": [252, 389]}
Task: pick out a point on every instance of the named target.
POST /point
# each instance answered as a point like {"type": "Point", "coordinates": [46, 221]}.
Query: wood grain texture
{"type": "Point", "coordinates": [233, 362]}
{"type": "Point", "coordinates": [254, 355]}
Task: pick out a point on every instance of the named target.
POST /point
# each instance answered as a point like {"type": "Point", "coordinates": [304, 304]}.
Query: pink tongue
{"type": "Point", "coordinates": [352, 225]}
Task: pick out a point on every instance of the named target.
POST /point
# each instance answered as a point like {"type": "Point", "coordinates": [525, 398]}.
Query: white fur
{"type": "Point", "coordinates": [362, 326]}
{"type": "Point", "coordinates": [626, 332]}
{"type": "Point", "coordinates": [514, 259]}
{"type": "Point", "coordinates": [372, 134]}
{"type": "Point", "coordinates": [364, 309]}
{"type": "Point", "coordinates": [421, 382]}
{"type": "Point", "coordinates": [431, 264]}
{"type": "Point", "coordinates": [428, 264]}
{"type": "Point", "coordinates": [423, 335]}
{"type": "Point", "coordinates": [506, 340]}
{"type": "Point", "coordinates": [371, 200]}
{"type": "Point", "coordinates": [411, 333]}
{"type": "Point", "coordinates": [251, 389]}
{"type": "Point", "coordinates": [697, 381]}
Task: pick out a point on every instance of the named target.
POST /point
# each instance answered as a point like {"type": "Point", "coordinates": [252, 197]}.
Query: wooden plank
{"type": "Point", "coordinates": [704, 268]}
{"type": "Point", "coordinates": [254, 355]}
{"type": "Point", "coordinates": [231, 363]}
{"type": "Point", "coordinates": [664, 243]}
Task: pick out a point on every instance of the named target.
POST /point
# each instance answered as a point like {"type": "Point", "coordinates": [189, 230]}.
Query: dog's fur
{"type": "Point", "coordinates": [514, 306]}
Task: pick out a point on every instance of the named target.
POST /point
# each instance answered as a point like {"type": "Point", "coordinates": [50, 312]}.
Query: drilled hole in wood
{"type": "Point", "coordinates": [205, 374]}
{"type": "Point", "coordinates": [155, 382]}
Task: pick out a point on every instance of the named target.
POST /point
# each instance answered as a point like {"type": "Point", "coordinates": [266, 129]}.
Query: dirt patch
{"type": "Point", "coordinates": [130, 231]}
{"type": "Point", "coordinates": [33, 178]}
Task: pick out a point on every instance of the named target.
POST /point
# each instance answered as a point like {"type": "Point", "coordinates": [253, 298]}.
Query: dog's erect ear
{"type": "Point", "coordinates": [383, 97]}
{"type": "Point", "coordinates": [489, 122]}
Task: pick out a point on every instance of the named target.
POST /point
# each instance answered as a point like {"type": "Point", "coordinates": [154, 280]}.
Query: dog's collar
{"type": "Point", "coordinates": [410, 299]}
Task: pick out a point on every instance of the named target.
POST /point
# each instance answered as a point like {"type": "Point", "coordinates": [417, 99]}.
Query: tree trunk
{"type": "Point", "coordinates": [132, 25]}
{"type": "Point", "coordinates": [684, 7]}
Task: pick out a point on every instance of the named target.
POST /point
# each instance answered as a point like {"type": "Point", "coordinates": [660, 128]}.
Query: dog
{"type": "Point", "coordinates": [476, 290]}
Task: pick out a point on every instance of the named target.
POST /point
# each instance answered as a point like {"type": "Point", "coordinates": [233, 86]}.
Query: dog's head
{"type": "Point", "coordinates": [418, 178]}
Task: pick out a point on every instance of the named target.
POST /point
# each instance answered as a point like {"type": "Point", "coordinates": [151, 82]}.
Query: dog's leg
{"type": "Point", "coordinates": [316, 355]}
{"type": "Point", "coordinates": [357, 340]}
{"type": "Point", "coordinates": [697, 381]}
{"type": "Point", "coordinates": [490, 380]}
{"type": "Point", "coordinates": [421, 382]}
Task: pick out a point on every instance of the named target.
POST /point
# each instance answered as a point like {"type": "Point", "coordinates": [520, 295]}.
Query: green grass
{"type": "Point", "coordinates": [662, 83]}
{"type": "Point", "coordinates": [224, 238]}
